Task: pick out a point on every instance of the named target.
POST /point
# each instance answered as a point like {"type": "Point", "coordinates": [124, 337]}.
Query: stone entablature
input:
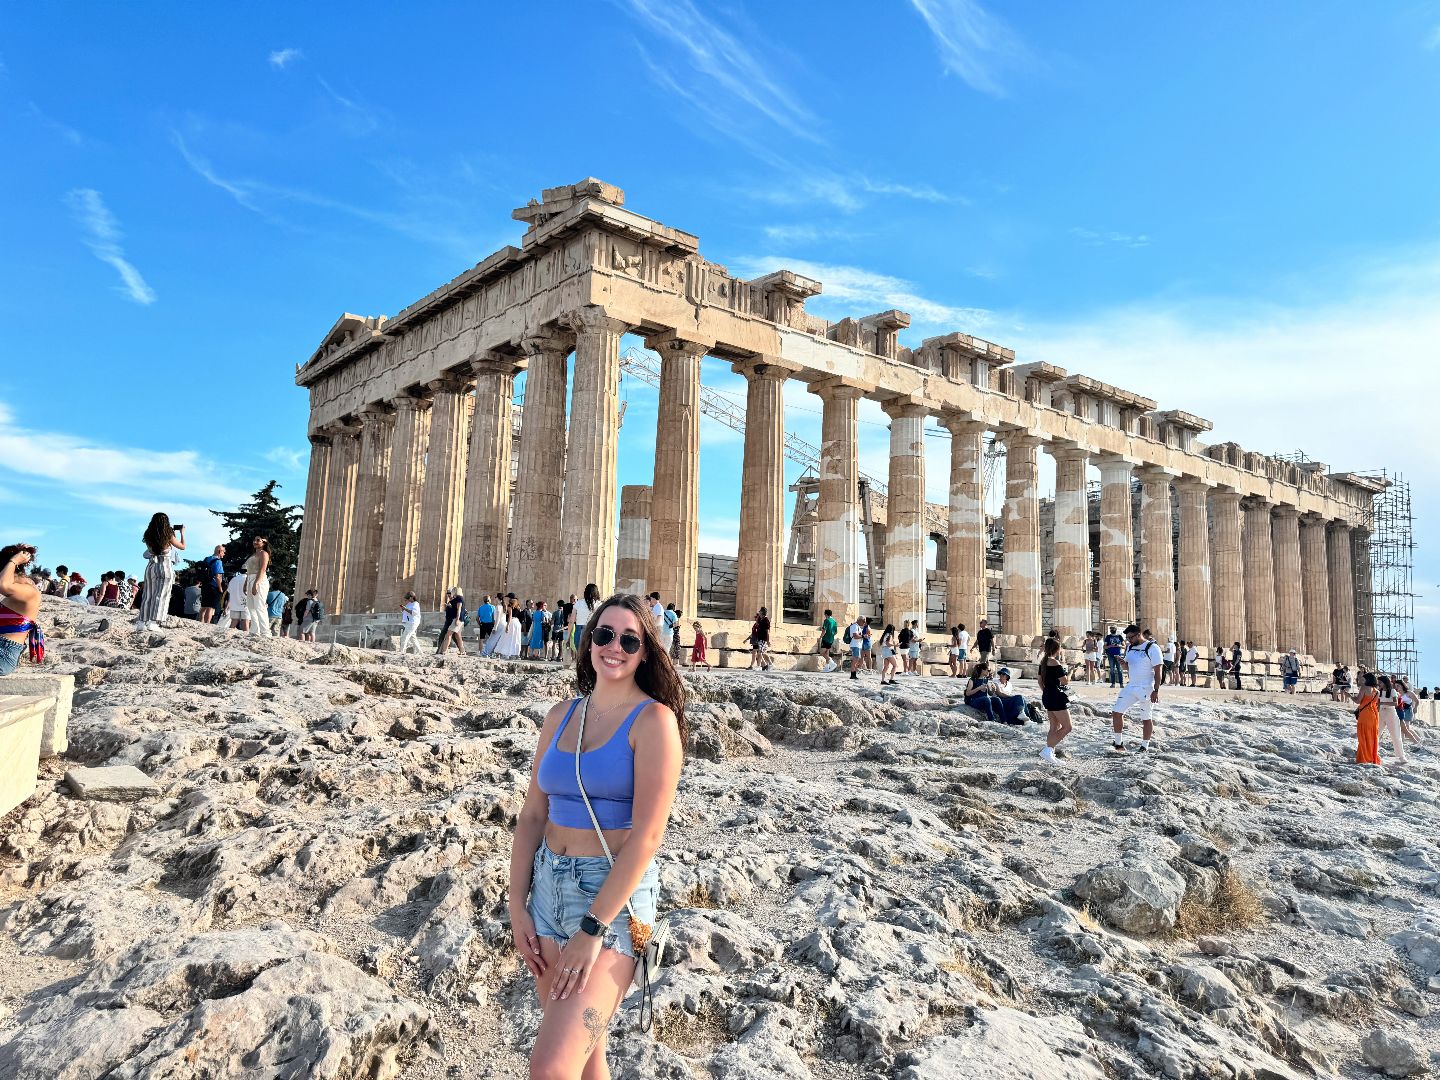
{"type": "Point", "coordinates": [589, 270]}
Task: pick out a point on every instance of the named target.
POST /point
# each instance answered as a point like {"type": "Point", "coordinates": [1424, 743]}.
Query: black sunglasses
{"type": "Point", "coordinates": [604, 635]}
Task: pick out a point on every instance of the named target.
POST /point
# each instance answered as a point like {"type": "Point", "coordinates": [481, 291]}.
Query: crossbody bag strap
{"type": "Point", "coordinates": [594, 821]}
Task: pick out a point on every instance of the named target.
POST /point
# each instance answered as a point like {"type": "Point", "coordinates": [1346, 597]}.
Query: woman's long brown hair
{"type": "Point", "coordinates": [656, 675]}
{"type": "Point", "coordinates": [159, 534]}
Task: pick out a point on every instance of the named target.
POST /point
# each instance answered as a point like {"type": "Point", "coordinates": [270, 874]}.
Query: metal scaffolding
{"type": "Point", "coordinates": [1384, 581]}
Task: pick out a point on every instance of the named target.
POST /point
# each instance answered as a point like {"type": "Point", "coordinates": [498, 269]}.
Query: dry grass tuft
{"type": "Point", "coordinates": [1235, 907]}
{"type": "Point", "coordinates": [698, 897]}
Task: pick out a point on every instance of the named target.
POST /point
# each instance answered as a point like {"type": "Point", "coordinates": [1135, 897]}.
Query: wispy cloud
{"type": "Point", "coordinates": [283, 58]}
{"type": "Point", "coordinates": [973, 43]}
{"type": "Point", "coordinates": [59, 127]}
{"type": "Point", "coordinates": [1433, 41]}
{"type": "Point", "coordinates": [359, 118]}
{"type": "Point", "coordinates": [102, 237]}
{"type": "Point", "coordinates": [863, 292]}
{"type": "Point", "coordinates": [242, 191]}
{"type": "Point", "coordinates": [287, 457]}
{"type": "Point", "coordinates": [720, 71]}
{"type": "Point", "coordinates": [1102, 238]}
{"type": "Point", "coordinates": [848, 192]}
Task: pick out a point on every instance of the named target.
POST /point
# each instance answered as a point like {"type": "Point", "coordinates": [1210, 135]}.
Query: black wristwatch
{"type": "Point", "coordinates": [589, 924]}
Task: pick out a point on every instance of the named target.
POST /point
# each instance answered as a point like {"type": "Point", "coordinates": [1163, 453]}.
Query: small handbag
{"type": "Point", "coordinates": [647, 964]}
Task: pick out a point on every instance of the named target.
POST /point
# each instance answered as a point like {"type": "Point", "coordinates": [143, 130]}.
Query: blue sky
{"type": "Point", "coordinates": [1230, 208]}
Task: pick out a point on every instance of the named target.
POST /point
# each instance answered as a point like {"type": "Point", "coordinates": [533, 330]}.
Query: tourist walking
{"type": "Point", "coordinates": [1192, 662]}
{"type": "Point", "coordinates": [235, 610]}
{"type": "Point", "coordinates": [409, 624]}
{"type": "Point", "coordinates": [1235, 664]}
{"type": "Point", "coordinates": [1367, 721]}
{"type": "Point", "coordinates": [257, 587]}
{"type": "Point", "coordinates": [984, 642]}
{"type": "Point", "coordinates": [917, 641]}
{"type": "Point", "coordinates": [1168, 658]}
{"type": "Point", "coordinates": [19, 609]}
{"type": "Point", "coordinates": [584, 607]}
{"type": "Point", "coordinates": [1144, 664]}
{"type": "Point", "coordinates": [1289, 671]}
{"type": "Point", "coordinates": [855, 635]}
{"type": "Point", "coordinates": [888, 645]}
{"type": "Point", "coordinates": [699, 648]}
{"type": "Point", "coordinates": [829, 629]}
{"type": "Point", "coordinates": [212, 584]}
{"type": "Point", "coordinates": [160, 540]}
{"type": "Point", "coordinates": [308, 614]}
{"type": "Point", "coordinates": [451, 626]}
{"type": "Point", "coordinates": [952, 652]}
{"type": "Point", "coordinates": [675, 638]}
{"type": "Point", "coordinates": [901, 648]}
{"type": "Point", "coordinates": [1389, 706]}
{"type": "Point", "coordinates": [584, 887]}
{"type": "Point", "coordinates": [507, 647]}
{"type": "Point", "coordinates": [275, 603]}
{"type": "Point", "coordinates": [669, 623]}
{"type": "Point", "coordinates": [485, 616]}
{"type": "Point", "coordinates": [1406, 709]}
{"type": "Point", "coordinates": [760, 634]}
{"type": "Point", "coordinates": [1054, 678]}
{"type": "Point", "coordinates": [539, 631]}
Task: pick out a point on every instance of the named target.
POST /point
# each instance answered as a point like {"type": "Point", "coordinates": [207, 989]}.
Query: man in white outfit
{"type": "Point", "coordinates": [1144, 662]}
{"type": "Point", "coordinates": [409, 623]}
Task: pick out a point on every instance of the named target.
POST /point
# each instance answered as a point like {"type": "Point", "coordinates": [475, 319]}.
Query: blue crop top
{"type": "Point", "coordinates": [608, 771]}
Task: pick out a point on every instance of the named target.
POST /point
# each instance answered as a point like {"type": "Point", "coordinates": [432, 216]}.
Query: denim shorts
{"type": "Point", "coordinates": [10, 652]}
{"type": "Point", "coordinates": [562, 888]}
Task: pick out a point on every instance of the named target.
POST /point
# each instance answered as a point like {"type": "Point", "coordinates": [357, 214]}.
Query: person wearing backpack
{"type": "Point", "coordinates": [310, 612]}
{"type": "Point", "coordinates": [1145, 664]}
{"type": "Point", "coordinates": [1289, 671]}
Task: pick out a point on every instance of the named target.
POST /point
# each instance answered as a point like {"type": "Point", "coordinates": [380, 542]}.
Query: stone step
{"type": "Point", "coordinates": [22, 727]}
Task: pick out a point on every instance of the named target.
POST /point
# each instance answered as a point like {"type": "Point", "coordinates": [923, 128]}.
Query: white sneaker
{"type": "Point", "coordinates": [829, 667]}
{"type": "Point", "coordinates": [1047, 755]}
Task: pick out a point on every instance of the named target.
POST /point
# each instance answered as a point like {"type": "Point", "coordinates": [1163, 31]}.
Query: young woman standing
{"type": "Point", "coordinates": [1053, 679]}
{"type": "Point", "coordinates": [574, 933]}
{"type": "Point", "coordinates": [1389, 705]}
{"type": "Point", "coordinates": [887, 654]}
{"type": "Point", "coordinates": [257, 588]}
{"type": "Point", "coordinates": [1090, 650]}
{"type": "Point", "coordinates": [160, 538]}
{"type": "Point", "coordinates": [1367, 721]}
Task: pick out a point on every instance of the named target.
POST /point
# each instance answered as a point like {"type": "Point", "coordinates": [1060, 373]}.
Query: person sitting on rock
{"type": "Point", "coordinates": [981, 692]}
{"type": "Point", "coordinates": [1012, 702]}
{"type": "Point", "coordinates": [585, 845]}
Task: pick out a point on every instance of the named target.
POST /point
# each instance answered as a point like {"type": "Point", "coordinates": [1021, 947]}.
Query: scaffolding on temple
{"type": "Point", "coordinates": [1385, 597]}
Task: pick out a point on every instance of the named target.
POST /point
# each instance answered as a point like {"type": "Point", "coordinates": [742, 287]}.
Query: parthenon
{"type": "Point", "coordinates": [409, 484]}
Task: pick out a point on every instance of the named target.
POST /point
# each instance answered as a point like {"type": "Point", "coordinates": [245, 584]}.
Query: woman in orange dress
{"type": "Point", "coordinates": [1367, 721]}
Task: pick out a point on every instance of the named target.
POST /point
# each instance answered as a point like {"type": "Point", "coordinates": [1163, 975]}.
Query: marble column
{"type": "Point", "coordinates": [1117, 542]}
{"type": "Point", "coordinates": [442, 511]}
{"type": "Point", "coordinates": [312, 531]}
{"type": "Point", "coordinates": [533, 569]}
{"type": "Point", "coordinates": [339, 515]}
{"type": "Point", "coordinates": [1157, 553]}
{"type": "Point", "coordinates": [674, 554]}
{"type": "Point", "coordinates": [837, 527]}
{"type": "Point", "coordinates": [1341, 560]}
{"type": "Point", "coordinates": [401, 528]}
{"type": "Point", "coordinates": [1315, 579]}
{"type": "Point", "coordinates": [1289, 600]}
{"type": "Point", "coordinates": [905, 534]}
{"type": "Point", "coordinates": [1195, 617]}
{"type": "Point", "coordinates": [632, 554]}
{"type": "Point", "coordinates": [1020, 611]}
{"type": "Point", "coordinates": [1259, 576]}
{"type": "Point", "coordinates": [484, 534]}
{"type": "Point", "coordinates": [1229, 565]}
{"type": "Point", "coordinates": [1072, 542]}
{"type": "Point", "coordinates": [363, 571]}
{"type": "Point", "coordinates": [760, 569]}
{"type": "Point", "coordinates": [589, 535]}
{"type": "Point", "coordinates": [1364, 601]}
{"type": "Point", "coordinates": [966, 595]}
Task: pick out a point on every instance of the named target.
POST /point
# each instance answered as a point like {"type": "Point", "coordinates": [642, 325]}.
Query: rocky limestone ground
{"type": "Point", "coordinates": [863, 883]}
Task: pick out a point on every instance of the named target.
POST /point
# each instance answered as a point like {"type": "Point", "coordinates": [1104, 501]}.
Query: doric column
{"type": "Point", "coordinates": [674, 555]}
{"type": "Point", "coordinates": [1117, 542]}
{"type": "Point", "coordinates": [1341, 560]}
{"type": "Point", "coordinates": [905, 587]}
{"type": "Point", "coordinates": [339, 515]}
{"type": "Point", "coordinates": [632, 554]}
{"type": "Point", "coordinates": [312, 531]}
{"type": "Point", "coordinates": [401, 528]}
{"type": "Point", "coordinates": [966, 597]}
{"type": "Point", "coordinates": [437, 559]}
{"type": "Point", "coordinates": [1259, 575]}
{"type": "Point", "coordinates": [1194, 615]}
{"type": "Point", "coordinates": [483, 539]}
{"type": "Point", "coordinates": [533, 568]}
{"type": "Point", "coordinates": [587, 547]}
{"type": "Point", "coordinates": [760, 570]}
{"type": "Point", "coordinates": [1072, 542]}
{"type": "Point", "coordinates": [1315, 580]}
{"type": "Point", "coordinates": [1020, 611]}
{"type": "Point", "coordinates": [363, 572]}
{"type": "Point", "coordinates": [1364, 600]}
{"type": "Point", "coordinates": [837, 528]}
{"type": "Point", "coordinates": [1157, 553]}
{"type": "Point", "coordinates": [1229, 566]}
{"type": "Point", "coordinates": [1289, 601]}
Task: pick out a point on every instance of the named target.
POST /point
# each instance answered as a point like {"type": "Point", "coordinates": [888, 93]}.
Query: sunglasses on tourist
{"type": "Point", "coordinates": [604, 635]}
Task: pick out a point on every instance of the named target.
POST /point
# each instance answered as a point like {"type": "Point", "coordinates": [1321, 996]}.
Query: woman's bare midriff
{"type": "Point", "coordinates": [583, 842]}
